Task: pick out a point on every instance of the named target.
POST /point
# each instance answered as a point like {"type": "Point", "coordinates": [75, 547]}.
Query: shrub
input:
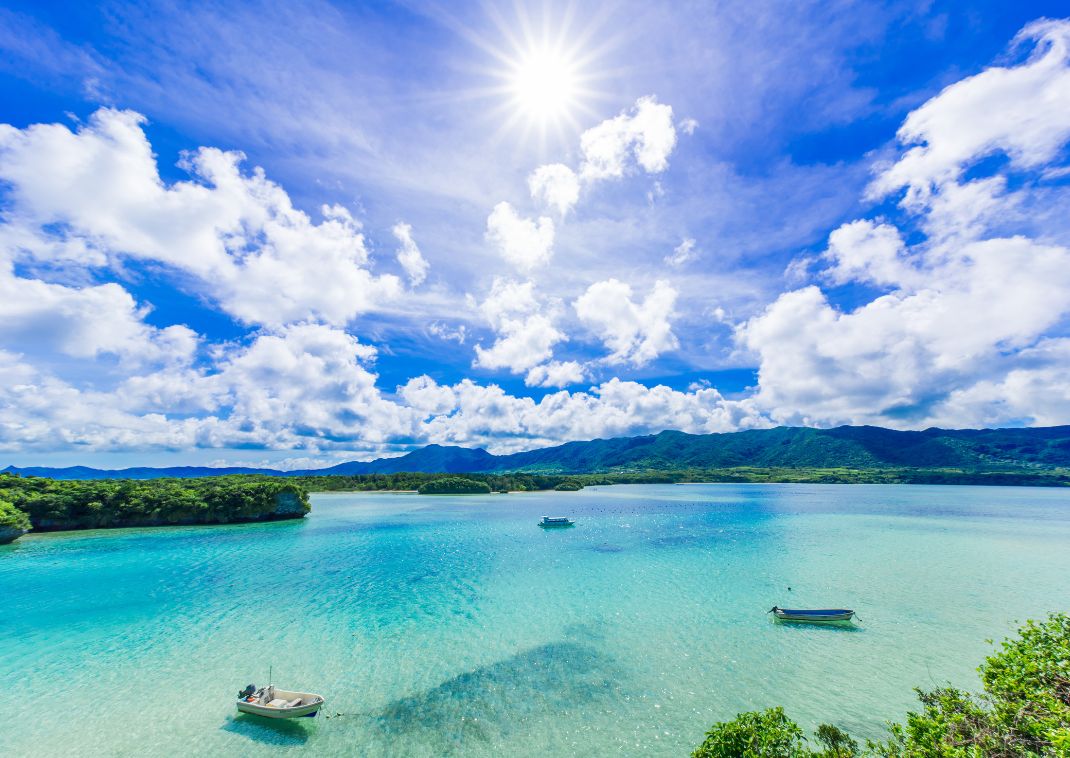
{"type": "Point", "coordinates": [1023, 711]}
{"type": "Point", "coordinates": [569, 485]}
{"type": "Point", "coordinates": [13, 522]}
{"type": "Point", "coordinates": [754, 734]}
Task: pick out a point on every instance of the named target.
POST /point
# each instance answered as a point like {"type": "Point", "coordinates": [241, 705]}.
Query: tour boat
{"type": "Point", "coordinates": [555, 522]}
{"type": "Point", "coordinates": [278, 704]}
{"type": "Point", "coordinates": [816, 616]}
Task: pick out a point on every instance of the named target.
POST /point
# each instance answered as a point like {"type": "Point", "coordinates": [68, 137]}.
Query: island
{"type": "Point", "coordinates": [58, 505]}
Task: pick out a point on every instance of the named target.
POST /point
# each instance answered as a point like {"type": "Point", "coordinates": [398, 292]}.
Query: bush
{"type": "Point", "coordinates": [1023, 711]}
{"type": "Point", "coordinates": [454, 485]}
{"type": "Point", "coordinates": [12, 518]}
{"type": "Point", "coordinates": [754, 734]}
{"type": "Point", "coordinates": [569, 485]}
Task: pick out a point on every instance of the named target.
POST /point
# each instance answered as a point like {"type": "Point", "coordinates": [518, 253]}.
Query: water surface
{"type": "Point", "coordinates": [453, 625]}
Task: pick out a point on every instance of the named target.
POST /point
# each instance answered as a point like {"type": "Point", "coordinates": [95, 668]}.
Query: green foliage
{"type": "Point", "coordinates": [12, 518]}
{"type": "Point", "coordinates": [838, 743]}
{"type": "Point", "coordinates": [412, 481]}
{"type": "Point", "coordinates": [754, 734]}
{"type": "Point", "coordinates": [1023, 711]}
{"type": "Point", "coordinates": [454, 485]}
{"type": "Point", "coordinates": [1028, 683]}
{"type": "Point", "coordinates": [1039, 451]}
{"type": "Point", "coordinates": [528, 482]}
{"type": "Point", "coordinates": [569, 485]}
{"type": "Point", "coordinates": [53, 504]}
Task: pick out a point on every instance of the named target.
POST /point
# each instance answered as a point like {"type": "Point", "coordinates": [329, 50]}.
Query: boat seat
{"type": "Point", "coordinates": [295, 702]}
{"type": "Point", "coordinates": [277, 703]}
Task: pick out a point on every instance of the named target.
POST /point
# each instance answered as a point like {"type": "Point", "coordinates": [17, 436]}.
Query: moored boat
{"type": "Point", "coordinates": [275, 703]}
{"type": "Point", "coordinates": [812, 616]}
{"type": "Point", "coordinates": [556, 522]}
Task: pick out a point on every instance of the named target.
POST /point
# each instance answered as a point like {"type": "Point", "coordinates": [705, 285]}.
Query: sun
{"type": "Point", "coordinates": [539, 76]}
{"type": "Point", "coordinates": [544, 84]}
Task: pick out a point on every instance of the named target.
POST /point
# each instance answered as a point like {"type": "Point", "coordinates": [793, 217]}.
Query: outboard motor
{"type": "Point", "coordinates": [250, 689]}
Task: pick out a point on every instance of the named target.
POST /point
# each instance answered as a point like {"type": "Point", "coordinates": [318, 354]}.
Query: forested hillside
{"type": "Point", "coordinates": [845, 447]}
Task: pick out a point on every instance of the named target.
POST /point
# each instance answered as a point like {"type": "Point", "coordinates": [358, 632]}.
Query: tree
{"type": "Point", "coordinates": [13, 522]}
{"type": "Point", "coordinates": [454, 485]}
{"type": "Point", "coordinates": [1024, 710]}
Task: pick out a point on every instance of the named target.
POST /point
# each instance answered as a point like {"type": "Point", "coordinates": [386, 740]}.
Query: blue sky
{"type": "Point", "coordinates": [299, 233]}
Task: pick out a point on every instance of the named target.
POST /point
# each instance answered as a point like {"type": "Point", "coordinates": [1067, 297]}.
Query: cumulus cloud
{"type": "Point", "coordinates": [42, 318]}
{"type": "Point", "coordinates": [682, 254]}
{"type": "Point", "coordinates": [645, 133]}
{"type": "Point", "coordinates": [523, 242]}
{"type": "Point", "coordinates": [556, 374]}
{"type": "Point", "coordinates": [636, 333]}
{"type": "Point", "coordinates": [525, 335]}
{"type": "Point", "coordinates": [505, 423]}
{"type": "Point", "coordinates": [237, 234]}
{"type": "Point", "coordinates": [959, 336]}
{"type": "Point", "coordinates": [1022, 112]}
{"type": "Point", "coordinates": [409, 255]}
{"type": "Point", "coordinates": [555, 185]}
{"type": "Point", "coordinates": [309, 388]}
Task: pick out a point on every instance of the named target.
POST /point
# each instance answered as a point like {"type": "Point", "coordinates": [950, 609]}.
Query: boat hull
{"type": "Point", "coordinates": [310, 705]}
{"type": "Point", "coordinates": [829, 616]}
{"type": "Point", "coordinates": [557, 526]}
{"type": "Point", "coordinates": [279, 713]}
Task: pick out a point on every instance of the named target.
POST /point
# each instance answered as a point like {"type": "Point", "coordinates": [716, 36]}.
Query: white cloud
{"type": "Point", "coordinates": [42, 318]}
{"type": "Point", "coordinates": [873, 253]}
{"type": "Point", "coordinates": [688, 126]}
{"type": "Point", "coordinates": [556, 374]}
{"type": "Point", "coordinates": [1021, 111]}
{"type": "Point", "coordinates": [683, 253]}
{"type": "Point", "coordinates": [525, 335]}
{"type": "Point", "coordinates": [261, 259]}
{"type": "Point", "coordinates": [959, 338]}
{"type": "Point", "coordinates": [307, 388]}
{"type": "Point", "coordinates": [523, 242]}
{"type": "Point", "coordinates": [646, 133]}
{"type": "Point", "coordinates": [409, 255]}
{"type": "Point", "coordinates": [634, 332]}
{"type": "Point", "coordinates": [456, 334]}
{"type": "Point", "coordinates": [555, 185]}
{"type": "Point", "coordinates": [503, 423]}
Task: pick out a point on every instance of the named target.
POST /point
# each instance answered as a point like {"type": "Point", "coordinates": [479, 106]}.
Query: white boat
{"type": "Point", "coordinates": [275, 703]}
{"type": "Point", "coordinates": [556, 522]}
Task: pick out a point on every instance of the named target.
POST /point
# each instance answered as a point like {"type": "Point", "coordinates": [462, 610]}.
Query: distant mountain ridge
{"type": "Point", "coordinates": [860, 447]}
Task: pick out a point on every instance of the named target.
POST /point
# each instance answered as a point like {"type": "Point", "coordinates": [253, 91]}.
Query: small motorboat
{"type": "Point", "coordinates": [812, 616]}
{"type": "Point", "coordinates": [556, 522]}
{"type": "Point", "coordinates": [278, 704]}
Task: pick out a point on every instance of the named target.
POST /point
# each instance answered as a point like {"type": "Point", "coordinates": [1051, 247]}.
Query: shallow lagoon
{"type": "Point", "coordinates": [440, 626]}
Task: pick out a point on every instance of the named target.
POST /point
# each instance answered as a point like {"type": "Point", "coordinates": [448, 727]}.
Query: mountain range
{"type": "Point", "coordinates": [859, 447]}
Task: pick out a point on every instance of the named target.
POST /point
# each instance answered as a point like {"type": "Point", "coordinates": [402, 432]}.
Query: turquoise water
{"type": "Point", "coordinates": [440, 626]}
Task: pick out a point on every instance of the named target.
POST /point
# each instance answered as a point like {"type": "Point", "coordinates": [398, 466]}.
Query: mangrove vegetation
{"type": "Point", "coordinates": [52, 504]}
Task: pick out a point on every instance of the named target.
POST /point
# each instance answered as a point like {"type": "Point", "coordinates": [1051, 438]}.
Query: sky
{"type": "Point", "coordinates": [294, 234]}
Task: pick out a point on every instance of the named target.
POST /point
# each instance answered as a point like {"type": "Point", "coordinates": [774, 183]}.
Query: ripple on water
{"type": "Point", "coordinates": [457, 626]}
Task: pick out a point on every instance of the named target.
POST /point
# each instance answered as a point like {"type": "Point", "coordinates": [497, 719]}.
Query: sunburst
{"type": "Point", "coordinates": [543, 76]}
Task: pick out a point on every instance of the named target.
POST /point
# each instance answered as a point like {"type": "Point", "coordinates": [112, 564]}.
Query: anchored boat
{"type": "Point", "coordinates": [278, 704]}
{"type": "Point", "coordinates": [812, 616]}
{"type": "Point", "coordinates": [556, 522]}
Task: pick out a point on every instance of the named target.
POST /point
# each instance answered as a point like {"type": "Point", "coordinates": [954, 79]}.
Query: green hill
{"type": "Point", "coordinates": [844, 447]}
{"type": "Point", "coordinates": [859, 447]}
